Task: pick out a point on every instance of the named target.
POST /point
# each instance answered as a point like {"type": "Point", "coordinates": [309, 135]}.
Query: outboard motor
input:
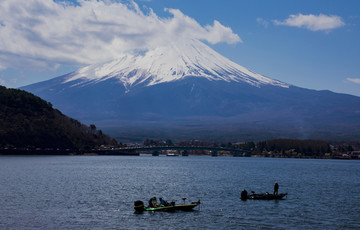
{"type": "Point", "coordinates": [139, 206]}
{"type": "Point", "coordinates": [244, 194]}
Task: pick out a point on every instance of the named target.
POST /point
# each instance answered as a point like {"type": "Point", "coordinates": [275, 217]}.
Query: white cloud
{"type": "Point", "coordinates": [312, 22]}
{"type": "Point", "coordinates": [43, 33]}
{"type": "Point", "coordinates": [354, 80]}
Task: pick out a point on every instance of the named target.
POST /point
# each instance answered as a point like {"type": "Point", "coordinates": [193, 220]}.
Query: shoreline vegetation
{"type": "Point", "coordinates": [28, 122]}
{"type": "Point", "coordinates": [278, 148]}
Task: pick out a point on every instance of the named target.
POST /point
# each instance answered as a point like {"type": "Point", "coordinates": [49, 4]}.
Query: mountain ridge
{"type": "Point", "coordinates": [220, 99]}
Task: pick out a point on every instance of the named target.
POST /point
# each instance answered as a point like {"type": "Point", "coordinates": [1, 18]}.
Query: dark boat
{"type": "Point", "coordinates": [266, 196]}
{"type": "Point", "coordinates": [261, 196]}
{"type": "Point", "coordinates": [139, 207]}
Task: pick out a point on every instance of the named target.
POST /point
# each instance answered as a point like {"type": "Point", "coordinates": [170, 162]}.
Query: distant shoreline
{"type": "Point", "coordinates": [67, 152]}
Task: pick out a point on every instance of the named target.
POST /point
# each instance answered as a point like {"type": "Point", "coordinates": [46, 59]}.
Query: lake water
{"type": "Point", "coordinates": [98, 192]}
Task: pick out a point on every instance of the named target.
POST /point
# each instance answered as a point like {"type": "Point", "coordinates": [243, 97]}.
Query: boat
{"type": "Point", "coordinates": [261, 196]}
{"type": "Point", "coordinates": [171, 207]}
{"type": "Point", "coordinates": [266, 196]}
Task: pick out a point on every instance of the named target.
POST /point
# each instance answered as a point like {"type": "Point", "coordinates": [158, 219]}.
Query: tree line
{"type": "Point", "coordinates": [274, 147]}
{"type": "Point", "coordinates": [27, 121]}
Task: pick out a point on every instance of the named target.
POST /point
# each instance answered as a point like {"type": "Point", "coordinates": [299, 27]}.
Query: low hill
{"type": "Point", "coordinates": [27, 121]}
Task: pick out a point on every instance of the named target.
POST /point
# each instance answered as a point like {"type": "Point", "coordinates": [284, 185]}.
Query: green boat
{"type": "Point", "coordinates": [139, 207]}
{"type": "Point", "coordinates": [157, 209]}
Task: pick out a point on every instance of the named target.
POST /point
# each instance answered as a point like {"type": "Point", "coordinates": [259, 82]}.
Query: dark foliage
{"type": "Point", "coordinates": [151, 142]}
{"type": "Point", "coordinates": [27, 121]}
{"type": "Point", "coordinates": [305, 147]}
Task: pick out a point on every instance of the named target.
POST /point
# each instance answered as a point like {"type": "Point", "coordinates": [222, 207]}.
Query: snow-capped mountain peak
{"type": "Point", "coordinates": [189, 91]}
{"type": "Point", "coordinates": [170, 63]}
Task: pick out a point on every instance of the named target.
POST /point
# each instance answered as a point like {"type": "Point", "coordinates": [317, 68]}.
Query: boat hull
{"type": "Point", "coordinates": [139, 207]}
{"type": "Point", "coordinates": [266, 196]}
{"type": "Point", "coordinates": [160, 209]}
{"type": "Point", "coordinates": [186, 207]}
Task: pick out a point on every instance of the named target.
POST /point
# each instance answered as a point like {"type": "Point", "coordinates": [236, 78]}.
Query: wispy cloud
{"type": "Point", "coordinates": [312, 22]}
{"type": "Point", "coordinates": [44, 33]}
{"type": "Point", "coordinates": [354, 80]}
{"type": "Point", "coordinates": [262, 22]}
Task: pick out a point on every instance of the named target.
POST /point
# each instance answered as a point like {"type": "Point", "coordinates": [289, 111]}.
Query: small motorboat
{"type": "Point", "coordinates": [261, 196]}
{"type": "Point", "coordinates": [266, 196]}
{"type": "Point", "coordinates": [139, 207]}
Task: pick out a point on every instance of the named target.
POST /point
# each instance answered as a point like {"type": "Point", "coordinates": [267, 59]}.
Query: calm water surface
{"type": "Point", "coordinates": [97, 192]}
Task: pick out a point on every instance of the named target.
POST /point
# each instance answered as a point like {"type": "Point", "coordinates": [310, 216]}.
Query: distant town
{"type": "Point", "coordinates": [278, 148]}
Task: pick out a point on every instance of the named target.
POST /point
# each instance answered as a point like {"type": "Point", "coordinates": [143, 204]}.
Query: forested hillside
{"type": "Point", "coordinates": [27, 121]}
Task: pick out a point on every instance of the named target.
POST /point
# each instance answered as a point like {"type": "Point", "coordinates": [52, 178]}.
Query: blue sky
{"type": "Point", "coordinates": [310, 44]}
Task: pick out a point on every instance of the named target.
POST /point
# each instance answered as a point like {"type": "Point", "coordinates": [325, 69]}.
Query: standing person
{"type": "Point", "coordinates": [244, 194]}
{"type": "Point", "coordinates": [276, 188]}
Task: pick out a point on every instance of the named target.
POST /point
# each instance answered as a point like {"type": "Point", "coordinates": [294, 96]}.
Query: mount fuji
{"type": "Point", "coordinates": [189, 91]}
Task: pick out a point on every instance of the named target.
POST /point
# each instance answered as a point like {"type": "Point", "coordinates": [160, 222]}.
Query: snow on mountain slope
{"type": "Point", "coordinates": [170, 63]}
{"type": "Point", "coordinates": [202, 95]}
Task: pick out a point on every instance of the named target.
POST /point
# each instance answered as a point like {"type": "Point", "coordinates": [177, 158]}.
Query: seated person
{"type": "Point", "coordinates": [153, 203]}
{"type": "Point", "coordinates": [162, 202]}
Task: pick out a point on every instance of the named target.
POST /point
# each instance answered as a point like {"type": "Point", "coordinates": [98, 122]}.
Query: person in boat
{"type": "Point", "coordinates": [276, 188]}
{"type": "Point", "coordinates": [153, 203]}
{"type": "Point", "coordinates": [163, 202]}
{"type": "Point", "coordinates": [244, 194]}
